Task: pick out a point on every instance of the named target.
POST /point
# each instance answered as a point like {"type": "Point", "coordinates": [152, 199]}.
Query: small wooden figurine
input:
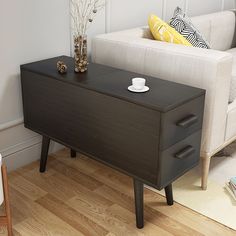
{"type": "Point", "coordinates": [61, 67]}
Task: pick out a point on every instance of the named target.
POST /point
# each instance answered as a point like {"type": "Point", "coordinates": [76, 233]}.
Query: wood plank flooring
{"type": "Point", "coordinates": [83, 197]}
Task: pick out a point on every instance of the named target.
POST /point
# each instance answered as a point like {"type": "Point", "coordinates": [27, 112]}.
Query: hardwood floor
{"type": "Point", "coordinates": [78, 196]}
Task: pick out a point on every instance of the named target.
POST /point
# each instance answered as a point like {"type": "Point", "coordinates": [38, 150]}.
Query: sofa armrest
{"type": "Point", "coordinates": [207, 69]}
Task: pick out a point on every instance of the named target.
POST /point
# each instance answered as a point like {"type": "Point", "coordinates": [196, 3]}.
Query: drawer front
{"type": "Point", "coordinates": [178, 159]}
{"type": "Point", "coordinates": [181, 122]}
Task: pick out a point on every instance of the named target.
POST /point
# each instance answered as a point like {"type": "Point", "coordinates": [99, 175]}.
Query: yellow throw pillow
{"type": "Point", "coordinates": [163, 32]}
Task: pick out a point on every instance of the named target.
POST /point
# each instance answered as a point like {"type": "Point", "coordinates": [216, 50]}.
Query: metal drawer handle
{"type": "Point", "coordinates": [187, 121]}
{"type": "Point", "coordinates": [184, 153]}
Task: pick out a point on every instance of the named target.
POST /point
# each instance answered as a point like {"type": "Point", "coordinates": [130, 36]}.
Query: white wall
{"type": "Point", "coordinates": [127, 14]}
{"type": "Point", "coordinates": [31, 30]}
{"type": "Point", "coordinates": [130, 13]}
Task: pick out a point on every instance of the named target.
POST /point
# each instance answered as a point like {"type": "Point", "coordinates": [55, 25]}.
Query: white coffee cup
{"type": "Point", "coordinates": [138, 83]}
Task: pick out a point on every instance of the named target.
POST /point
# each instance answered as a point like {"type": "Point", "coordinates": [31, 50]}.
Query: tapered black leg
{"type": "Point", "coordinates": [138, 195]}
{"type": "Point", "coordinates": [169, 195]}
{"type": "Point", "coordinates": [44, 153]}
{"type": "Point", "coordinates": [72, 153]}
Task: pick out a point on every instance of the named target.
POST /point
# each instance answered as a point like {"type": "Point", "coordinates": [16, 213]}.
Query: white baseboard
{"type": "Point", "coordinates": [27, 155]}
{"type": "Point", "coordinates": [20, 146]}
{"type": "Point", "coordinates": [22, 157]}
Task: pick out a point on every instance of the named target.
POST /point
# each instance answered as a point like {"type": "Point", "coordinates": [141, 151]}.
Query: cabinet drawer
{"type": "Point", "coordinates": [179, 158]}
{"type": "Point", "coordinates": [181, 122]}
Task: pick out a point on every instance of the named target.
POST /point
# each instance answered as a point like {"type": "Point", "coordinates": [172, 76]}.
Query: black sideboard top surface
{"type": "Point", "coordinates": [114, 82]}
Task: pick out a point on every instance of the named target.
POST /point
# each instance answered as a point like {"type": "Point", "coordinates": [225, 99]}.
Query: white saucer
{"type": "Point", "coordinates": [132, 89]}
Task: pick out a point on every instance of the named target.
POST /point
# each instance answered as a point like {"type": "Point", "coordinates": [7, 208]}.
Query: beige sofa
{"type": "Point", "coordinates": [213, 70]}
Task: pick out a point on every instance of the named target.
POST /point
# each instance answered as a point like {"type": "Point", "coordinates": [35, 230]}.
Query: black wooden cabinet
{"type": "Point", "coordinates": [154, 137]}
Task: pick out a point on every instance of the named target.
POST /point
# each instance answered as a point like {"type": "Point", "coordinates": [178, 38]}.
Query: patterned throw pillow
{"type": "Point", "coordinates": [181, 23]}
{"type": "Point", "coordinates": [163, 32]}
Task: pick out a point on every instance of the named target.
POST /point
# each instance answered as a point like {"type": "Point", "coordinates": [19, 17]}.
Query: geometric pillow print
{"type": "Point", "coordinates": [182, 24]}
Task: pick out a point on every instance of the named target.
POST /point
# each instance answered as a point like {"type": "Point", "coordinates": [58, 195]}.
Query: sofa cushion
{"type": "Point", "coordinates": [232, 95]}
{"type": "Point", "coordinates": [163, 32]}
{"type": "Point", "coordinates": [181, 23]}
{"type": "Point", "coordinates": [218, 29]}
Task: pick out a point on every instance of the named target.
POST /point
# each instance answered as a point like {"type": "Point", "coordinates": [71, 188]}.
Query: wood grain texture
{"type": "Point", "coordinates": [7, 217]}
{"type": "Point", "coordinates": [114, 82]}
{"type": "Point", "coordinates": [71, 216]}
{"type": "Point", "coordinates": [107, 209]}
{"type": "Point", "coordinates": [99, 127]}
{"type": "Point", "coordinates": [95, 114]}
